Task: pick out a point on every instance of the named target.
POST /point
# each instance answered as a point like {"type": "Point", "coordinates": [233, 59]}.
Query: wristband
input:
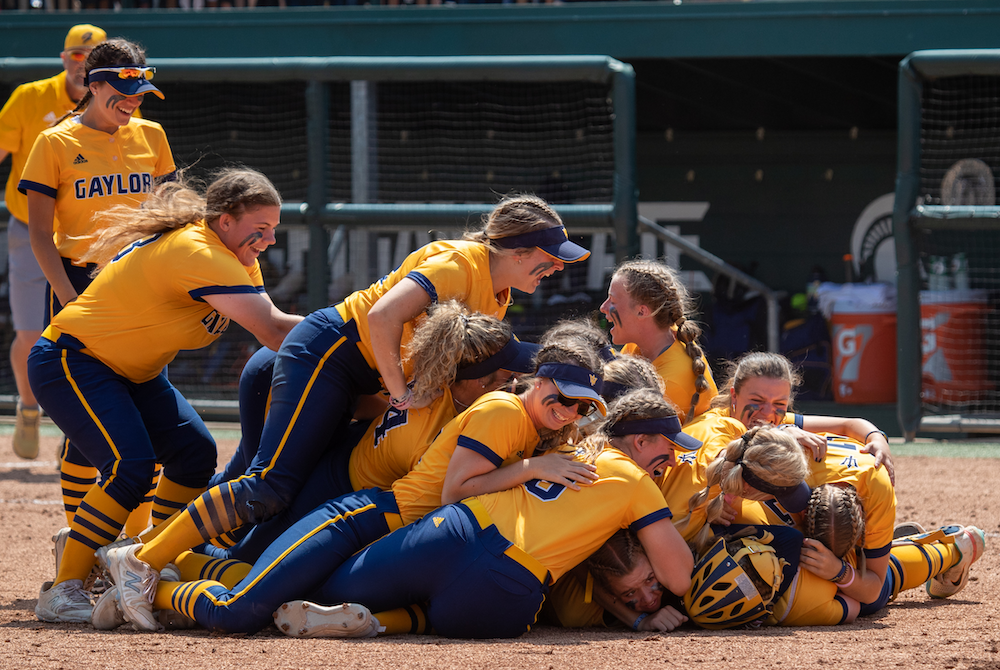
{"type": "Point", "coordinates": [845, 585]}
{"type": "Point", "coordinates": [843, 571]}
{"type": "Point", "coordinates": [881, 432]}
{"type": "Point", "coordinates": [635, 626]}
{"type": "Point", "coordinates": [403, 401]}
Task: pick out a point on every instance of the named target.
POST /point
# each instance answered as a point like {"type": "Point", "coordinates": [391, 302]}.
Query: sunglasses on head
{"type": "Point", "coordinates": [129, 72]}
{"type": "Point", "coordinates": [583, 407]}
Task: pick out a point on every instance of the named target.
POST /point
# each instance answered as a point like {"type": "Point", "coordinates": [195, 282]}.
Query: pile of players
{"type": "Point", "coordinates": [405, 458]}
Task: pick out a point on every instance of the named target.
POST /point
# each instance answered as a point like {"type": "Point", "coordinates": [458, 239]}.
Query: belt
{"type": "Point", "coordinates": [514, 552]}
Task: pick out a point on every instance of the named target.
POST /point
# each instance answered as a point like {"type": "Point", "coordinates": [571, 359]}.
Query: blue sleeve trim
{"type": "Point", "coordinates": [843, 604]}
{"type": "Point", "coordinates": [799, 420]}
{"type": "Point", "coordinates": [24, 186]}
{"type": "Point", "coordinates": [424, 283]}
{"type": "Point", "coordinates": [650, 519]}
{"type": "Point", "coordinates": [878, 552]}
{"type": "Point", "coordinates": [200, 293]}
{"type": "Point", "coordinates": [480, 449]}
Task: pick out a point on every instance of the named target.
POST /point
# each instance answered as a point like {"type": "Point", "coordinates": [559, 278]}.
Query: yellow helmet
{"type": "Point", "coordinates": [722, 593]}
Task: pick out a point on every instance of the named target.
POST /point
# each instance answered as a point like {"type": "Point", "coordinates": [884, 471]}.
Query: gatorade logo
{"type": "Point", "coordinates": [849, 347]}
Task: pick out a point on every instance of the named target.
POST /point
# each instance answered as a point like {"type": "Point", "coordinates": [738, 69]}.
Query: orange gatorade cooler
{"type": "Point", "coordinates": [952, 325]}
{"type": "Point", "coordinates": [864, 353]}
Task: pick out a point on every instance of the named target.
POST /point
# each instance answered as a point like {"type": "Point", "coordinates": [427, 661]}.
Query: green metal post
{"type": "Point", "coordinates": [318, 114]}
{"type": "Point", "coordinates": [625, 192]}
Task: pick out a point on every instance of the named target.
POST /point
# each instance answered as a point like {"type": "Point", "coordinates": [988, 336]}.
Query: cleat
{"type": "Point", "coordinates": [65, 602]}
{"type": "Point", "coordinates": [971, 542]}
{"type": "Point", "coordinates": [108, 612]}
{"type": "Point", "coordinates": [305, 619]}
{"type": "Point", "coordinates": [136, 581]}
{"type": "Point", "coordinates": [60, 545]}
{"type": "Point", "coordinates": [170, 573]}
{"type": "Point", "coordinates": [25, 438]}
{"type": "Point", "coordinates": [102, 552]}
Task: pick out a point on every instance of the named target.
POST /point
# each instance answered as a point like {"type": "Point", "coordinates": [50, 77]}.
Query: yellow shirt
{"type": "Point", "coordinates": [496, 426]}
{"type": "Point", "coordinates": [393, 444]}
{"type": "Point", "coordinates": [447, 270]}
{"type": "Point", "coordinates": [88, 170]}
{"type": "Point", "coordinates": [808, 601]}
{"type": "Point", "coordinates": [29, 110]}
{"type": "Point", "coordinates": [148, 303]}
{"type": "Point", "coordinates": [560, 527]}
{"type": "Point", "coordinates": [674, 368]}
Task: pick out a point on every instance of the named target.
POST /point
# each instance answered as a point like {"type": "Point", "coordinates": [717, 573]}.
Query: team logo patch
{"type": "Point", "coordinates": [438, 520]}
{"type": "Point", "coordinates": [79, 160]}
{"type": "Point", "coordinates": [593, 380]}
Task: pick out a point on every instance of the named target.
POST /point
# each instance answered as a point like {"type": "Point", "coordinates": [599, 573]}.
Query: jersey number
{"type": "Point", "coordinates": [215, 323]}
{"type": "Point", "coordinates": [785, 517]}
{"type": "Point", "coordinates": [391, 419]}
{"type": "Point", "coordinates": [544, 490]}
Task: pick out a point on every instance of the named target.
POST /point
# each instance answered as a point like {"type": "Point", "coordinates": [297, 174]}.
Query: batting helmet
{"type": "Point", "coordinates": [723, 593]}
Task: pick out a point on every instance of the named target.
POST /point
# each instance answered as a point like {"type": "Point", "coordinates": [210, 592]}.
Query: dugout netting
{"type": "Point", "coordinates": [947, 229]}
{"type": "Point", "coordinates": [375, 157]}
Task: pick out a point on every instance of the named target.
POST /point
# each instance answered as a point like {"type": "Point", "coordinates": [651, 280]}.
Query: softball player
{"type": "Point", "coordinates": [647, 307]}
{"type": "Point", "coordinates": [492, 446]}
{"type": "Point", "coordinates": [353, 348]}
{"type": "Point", "coordinates": [32, 108]}
{"type": "Point", "coordinates": [98, 368]}
{"type": "Point", "coordinates": [93, 161]}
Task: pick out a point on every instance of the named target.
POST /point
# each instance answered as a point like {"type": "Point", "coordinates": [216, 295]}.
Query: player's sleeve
{"type": "Point", "coordinates": [647, 506]}
{"type": "Point", "coordinates": [445, 276]}
{"type": "Point", "coordinates": [880, 514]}
{"type": "Point", "coordinates": [210, 272]}
{"type": "Point", "coordinates": [793, 418]}
{"type": "Point", "coordinates": [165, 168]}
{"type": "Point", "coordinates": [11, 123]}
{"type": "Point", "coordinates": [494, 430]}
{"type": "Point", "coordinates": [41, 172]}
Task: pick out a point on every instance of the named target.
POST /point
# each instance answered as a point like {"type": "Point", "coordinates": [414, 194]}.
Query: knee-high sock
{"type": "Point", "coordinates": [171, 498]}
{"type": "Point", "coordinates": [912, 565]}
{"type": "Point", "coordinates": [138, 520]}
{"type": "Point", "coordinates": [97, 521]}
{"type": "Point", "coordinates": [409, 620]}
{"type": "Point", "coordinates": [181, 596]}
{"type": "Point", "coordinates": [199, 566]}
{"type": "Point", "coordinates": [209, 515]}
{"type": "Point", "coordinates": [77, 480]}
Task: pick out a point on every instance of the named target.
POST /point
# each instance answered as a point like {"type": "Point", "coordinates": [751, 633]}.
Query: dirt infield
{"type": "Point", "coordinates": [963, 632]}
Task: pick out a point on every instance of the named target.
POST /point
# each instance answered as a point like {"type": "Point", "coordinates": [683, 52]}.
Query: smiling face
{"type": "Point", "coordinates": [544, 408]}
{"type": "Point", "coordinates": [761, 400]}
{"type": "Point", "coordinates": [533, 267]}
{"type": "Point", "coordinates": [620, 311]}
{"type": "Point", "coordinates": [638, 589]}
{"type": "Point", "coordinates": [250, 234]}
{"type": "Point", "coordinates": [654, 454]}
{"type": "Point", "coordinates": [109, 110]}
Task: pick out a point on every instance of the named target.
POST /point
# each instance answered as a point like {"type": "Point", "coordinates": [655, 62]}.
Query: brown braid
{"type": "Point", "coordinates": [616, 558]}
{"type": "Point", "coordinates": [836, 517]}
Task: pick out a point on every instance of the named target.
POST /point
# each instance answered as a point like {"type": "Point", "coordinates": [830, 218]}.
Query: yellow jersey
{"type": "Point", "coordinates": [148, 303]}
{"type": "Point", "coordinates": [87, 170]}
{"type": "Point", "coordinates": [674, 368]}
{"type": "Point", "coordinates": [496, 426]}
{"type": "Point", "coordinates": [808, 601]}
{"type": "Point", "coordinates": [394, 443]}
{"type": "Point", "coordinates": [447, 270]}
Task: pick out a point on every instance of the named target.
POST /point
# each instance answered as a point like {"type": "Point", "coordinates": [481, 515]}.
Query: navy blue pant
{"type": "Point", "coordinates": [298, 562]}
{"type": "Point", "coordinates": [121, 427]}
{"type": "Point", "coordinates": [448, 559]}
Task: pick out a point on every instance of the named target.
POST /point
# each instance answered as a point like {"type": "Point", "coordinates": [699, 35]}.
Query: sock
{"type": "Point", "coordinates": [409, 620]}
{"type": "Point", "coordinates": [913, 565]}
{"type": "Point", "coordinates": [182, 596]}
{"type": "Point", "coordinates": [77, 480]}
{"type": "Point", "coordinates": [171, 498]}
{"type": "Point", "coordinates": [195, 566]}
{"type": "Point", "coordinates": [138, 520]}
{"type": "Point", "coordinates": [97, 522]}
{"type": "Point", "coordinates": [209, 515]}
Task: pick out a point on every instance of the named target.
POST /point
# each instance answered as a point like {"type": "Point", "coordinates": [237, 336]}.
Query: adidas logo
{"type": "Point", "coordinates": [79, 159]}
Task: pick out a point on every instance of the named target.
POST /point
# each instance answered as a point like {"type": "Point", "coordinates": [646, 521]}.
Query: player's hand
{"type": "Point", "coordinates": [560, 468]}
{"type": "Point", "coordinates": [878, 446]}
{"type": "Point", "coordinates": [727, 514]}
{"type": "Point", "coordinates": [810, 442]}
{"type": "Point", "coordinates": [819, 560]}
{"type": "Point", "coordinates": [664, 620]}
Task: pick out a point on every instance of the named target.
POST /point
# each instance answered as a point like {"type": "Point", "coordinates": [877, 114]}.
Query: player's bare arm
{"type": "Point", "coordinates": [257, 314]}
{"type": "Point", "coordinates": [402, 303]}
{"type": "Point", "coordinates": [41, 214]}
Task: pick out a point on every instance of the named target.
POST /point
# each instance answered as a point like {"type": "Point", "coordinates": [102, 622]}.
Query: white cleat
{"type": "Point", "coordinates": [136, 581]}
{"type": "Point", "coordinates": [972, 543]}
{"type": "Point", "coordinates": [65, 602]}
{"type": "Point", "coordinates": [300, 618]}
{"type": "Point", "coordinates": [108, 613]}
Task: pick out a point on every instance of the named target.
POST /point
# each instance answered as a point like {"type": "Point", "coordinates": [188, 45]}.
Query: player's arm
{"type": "Point", "coordinates": [817, 558]}
{"type": "Point", "coordinates": [402, 303]}
{"type": "Point", "coordinates": [668, 554]}
{"type": "Point", "coordinates": [41, 214]}
{"type": "Point", "coordinates": [861, 430]}
{"type": "Point", "coordinates": [256, 313]}
{"type": "Point", "coordinates": [471, 473]}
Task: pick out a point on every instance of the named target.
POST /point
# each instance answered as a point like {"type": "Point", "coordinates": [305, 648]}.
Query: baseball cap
{"type": "Point", "coordinates": [575, 382]}
{"type": "Point", "coordinates": [793, 498]}
{"type": "Point", "coordinates": [84, 36]}
{"type": "Point", "coordinates": [126, 79]}
{"type": "Point", "coordinates": [667, 426]}
{"type": "Point", "coordinates": [516, 356]}
{"type": "Point", "coordinates": [553, 241]}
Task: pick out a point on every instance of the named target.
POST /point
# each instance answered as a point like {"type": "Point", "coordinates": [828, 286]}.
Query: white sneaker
{"type": "Point", "coordinates": [60, 545]}
{"type": "Point", "coordinates": [107, 612]}
{"type": "Point", "coordinates": [65, 602]}
{"type": "Point", "coordinates": [300, 618]}
{"type": "Point", "coordinates": [136, 581]}
{"type": "Point", "coordinates": [102, 552]}
{"type": "Point", "coordinates": [972, 543]}
{"type": "Point", "coordinates": [25, 439]}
